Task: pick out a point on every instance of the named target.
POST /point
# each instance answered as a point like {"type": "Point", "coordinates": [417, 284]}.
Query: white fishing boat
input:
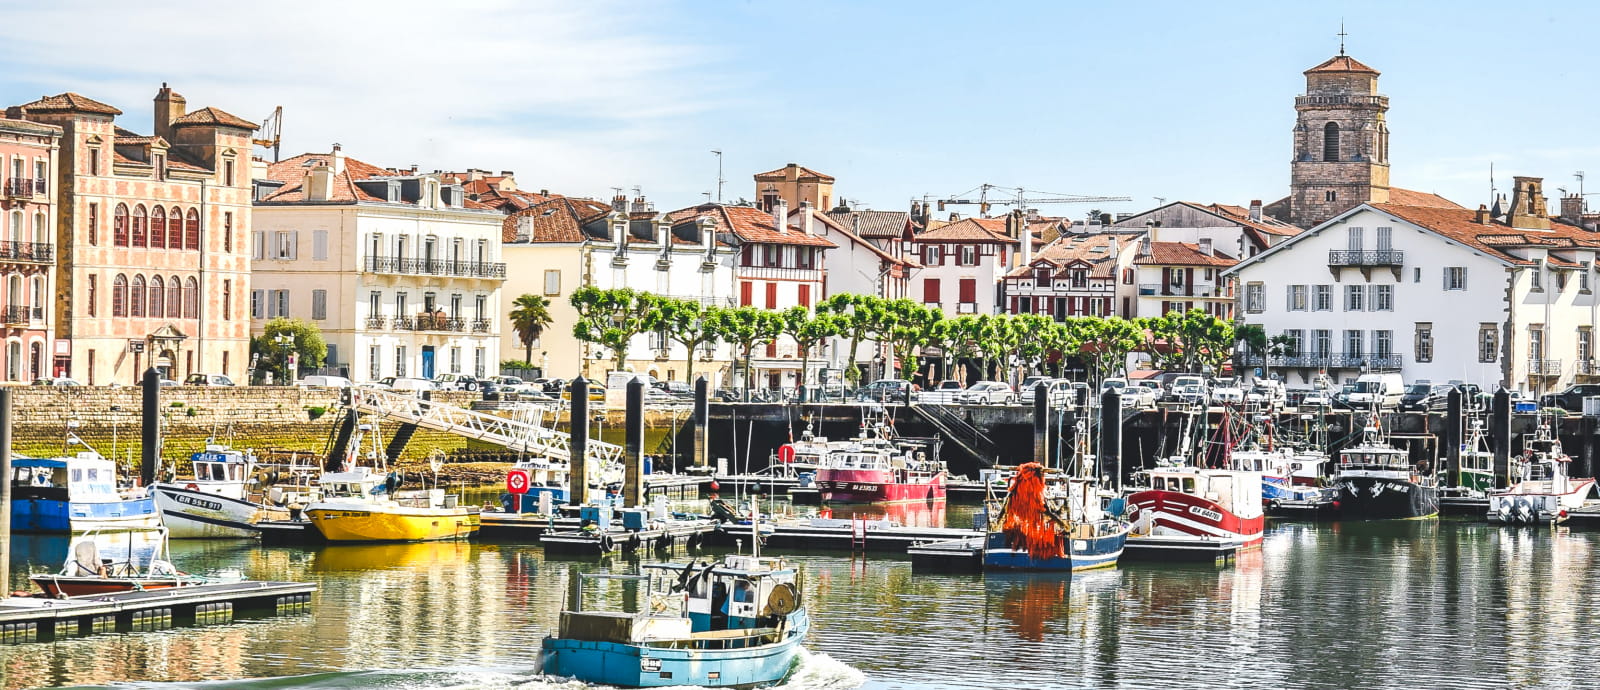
{"type": "Point", "coordinates": [215, 501]}
{"type": "Point", "coordinates": [1544, 491]}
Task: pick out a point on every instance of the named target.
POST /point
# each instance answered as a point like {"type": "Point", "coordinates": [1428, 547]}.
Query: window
{"type": "Point", "coordinates": [94, 224]}
{"type": "Point", "coordinates": [94, 163]}
{"type": "Point", "coordinates": [1297, 298]}
{"type": "Point", "coordinates": [374, 300]}
{"type": "Point", "coordinates": [191, 299]}
{"type": "Point", "coordinates": [94, 293]}
{"type": "Point", "coordinates": [969, 290]}
{"type": "Point", "coordinates": [1382, 344]}
{"type": "Point", "coordinates": [319, 245]}
{"type": "Point", "coordinates": [158, 227]}
{"type": "Point", "coordinates": [969, 255]}
{"type": "Point", "coordinates": [932, 255]}
{"type": "Point", "coordinates": [319, 305]}
{"type": "Point", "coordinates": [1322, 298]}
{"type": "Point", "coordinates": [136, 296]}
{"type": "Point", "coordinates": [930, 290]}
{"type": "Point", "coordinates": [159, 162]}
{"type": "Point", "coordinates": [1537, 273]}
{"type": "Point", "coordinates": [1321, 342]}
{"type": "Point", "coordinates": [774, 255]}
{"type": "Point", "coordinates": [480, 362]}
{"type": "Point", "coordinates": [1330, 196]}
{"type": "Point", "coordinates": [400, 360]}
{"type": "Point", "coordinates": [455, 360]}
{"type": "Point", "coordinates": [1385, 236]}
{"type": "Point", "coordinates": [1296, 339]}
{"type": "Point", "coordinates": [1585, 343]}
{"type": "Point", "coordinates": [227, 232]}
{"type": "Point", "coordinates": [480, 307]}
{"type": "Point", "coordinates": [1382, 298]}
{"type": "Point", "coordinates": [374, 362]}
{"type": "Point", "coordinates": [258, 245]}
{"type": "Point", "coordinates": [191, 230]}
{"type": "Point", "coordinates": [224, 362]}
{"type": "Point", "coordinates": [1352, 343]}
{"type": "Point", "coordinates": [1536, 341]}
{"type": "Point", "coordinates": [140, 225]}
{"type": "Point", "coordinates": [552, 282]}
{"type": "Point", "coordinates": [400, 300]}
{"type": "Point", "coordinates": [258, 299]}
{"type": "Point", "coordinates": [804, 257]}
{"type": "Point", "coordinates": [158, 297]}
{"type": "Point", "coordinates": [227, 173]}
{"type": "Point", "coordinates": [1354, 298]}
{"type": "Point", "coordinates": [1416, 274]}
{"type": "Point", "coordinates": [1424, 340]}
{"type": "Point", "coordinates": [1455, 278]}
{"type": "Point", "coordinates": [805, 295]}
{"type": "Point", "coordinates": [278, 303]}
{"type": "Point", "coordinates": [1330, 142]}
{"type": "Point", "coordinates": [1255, 296]}
{"type": "Point", "coordinates": [1356, 241]}
{"type": "Point", "coordinates": [1488, 343]}
{"type": "Point", "coordinates": [746, 294]}
{"type": "Point", "coordinates": [174, 298]}
{"type": "Point", "coordinates": [1583, 278]}
{"type": "Point", "coordinates": [285, 244]}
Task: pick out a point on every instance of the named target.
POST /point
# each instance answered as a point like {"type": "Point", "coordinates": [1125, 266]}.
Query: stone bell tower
{"type": "Point", "coordinates": [1341, 142]}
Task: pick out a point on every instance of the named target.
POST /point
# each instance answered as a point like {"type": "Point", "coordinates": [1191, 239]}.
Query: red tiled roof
{"type": "Point", "coordinates": [1342, 63]}
{"type": "Point", "coordinates": [749, 224]}
{"type": "Point", "coordinates": [292, 172]}
{"type": "Point", "coordinates": [1461, 225]}
{"type": "Point", "coordinates": [774, 175]}
{"type": "Point", "coordinates": [558, 220]}
{"type": "Point", "coordinates": [1069, 249]}
{"type": "Point", "coordinates": [214, 116]}
{"type": "Point", "coordinates": [985, 230]}
{"type": "Point", "coordinates": [1182, 254]}
{"type": "Point", "coordinates": [1241, 215]}
{"type": "Point", "coordinates": [874, 224]}
{"type": "Point", "coordinates": [857, 239]}
{"type": "Point", "coordinates": [1407, 197]}
{"type": "Point", "coordinates": [69, 102]}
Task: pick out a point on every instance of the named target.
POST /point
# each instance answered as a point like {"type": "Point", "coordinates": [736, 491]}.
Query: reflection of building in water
{"type": "Point", "coordinates": [1546, 598]}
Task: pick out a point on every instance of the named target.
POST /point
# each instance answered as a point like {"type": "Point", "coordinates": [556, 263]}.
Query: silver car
{"type": "Point", "coordinates": [987, 393]}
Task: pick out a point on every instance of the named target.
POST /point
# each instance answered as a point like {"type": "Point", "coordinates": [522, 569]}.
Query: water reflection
{"type": "Point", "coordinates": [911, 514]}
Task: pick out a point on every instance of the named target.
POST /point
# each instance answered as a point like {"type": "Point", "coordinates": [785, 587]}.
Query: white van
{"type": "Point", "coordinates": [1383, 389]}
{"type": "Point", "coordinates": [320, 381]}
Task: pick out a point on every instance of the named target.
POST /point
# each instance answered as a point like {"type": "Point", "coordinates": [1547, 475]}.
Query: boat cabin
{"type": "Point", "coordinates": [1373, 457]}
{"type": "Point", "coordinates": [737, 603]}
{"type": "Point", "coordinates": [1238, 492]}
{"type": "Point", "coordinates": [86, 478]}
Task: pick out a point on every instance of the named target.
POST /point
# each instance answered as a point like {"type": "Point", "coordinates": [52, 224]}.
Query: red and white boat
{"type": "Point", "coordinates": [876, 469]}
{"type": "Point", "coordinates": [1186, 502]}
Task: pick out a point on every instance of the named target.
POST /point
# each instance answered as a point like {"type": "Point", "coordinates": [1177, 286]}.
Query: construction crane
{"type": "Point", "coordinates": [1018, 197]}
{"type": "Point", "coordinates": [271, 130]}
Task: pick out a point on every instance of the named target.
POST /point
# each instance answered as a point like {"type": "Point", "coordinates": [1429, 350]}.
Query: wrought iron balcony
{"type": "Point", "coordinates": [40, 252]}
{"type": "Point", "coordinates": [480, 325]}
{"type": "Point", "coordinates": [434, 322]}
{"type": "Point", "coordinates": [19, 314]}
{"type": "Point", "coordinates": [23, 187]}
{"type": "Point", "coordinates": [1356, 257]}
{"type": "Point", "coordinates": [376, 323]}
{"type": "Point", "coordinates": [435, 267]}
{"type": "Point", "coordinates": [1330, 360]}
{"type": "Point", "coordinates": [403, 323]}
{"type": "Point", "coordinates": [1585, 367]}
{"type": "Point", "coordinates": [1544, 367]}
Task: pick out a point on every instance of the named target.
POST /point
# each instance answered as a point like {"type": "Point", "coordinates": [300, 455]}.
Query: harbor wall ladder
{"type": "Point", "coordinates": [966, 436]}
{"type": "Point", "coordinates": [526, 433]}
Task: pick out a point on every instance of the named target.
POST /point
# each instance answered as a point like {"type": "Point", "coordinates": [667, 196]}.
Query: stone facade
{"type": "Point", "coordinates": [1341, 143]}
{"type": "Point", "coordinates": [27, 249]}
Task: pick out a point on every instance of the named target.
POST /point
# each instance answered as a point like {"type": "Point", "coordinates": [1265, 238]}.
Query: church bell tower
{"type": "Point", "coordinates": [1341, 142]}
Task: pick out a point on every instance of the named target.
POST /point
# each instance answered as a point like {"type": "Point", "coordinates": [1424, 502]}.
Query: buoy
{"type": "Point", "coordinates": [715, 486]}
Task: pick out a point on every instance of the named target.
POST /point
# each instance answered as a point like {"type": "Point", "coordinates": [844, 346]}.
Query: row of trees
{"type": "Point", "coordinates": [1188, 341]}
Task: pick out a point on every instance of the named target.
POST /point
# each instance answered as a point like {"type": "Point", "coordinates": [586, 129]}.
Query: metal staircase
{"type": "Point", "coordinates": [959, 431]}
{"type": "Point", "coordinates": [526, 432]}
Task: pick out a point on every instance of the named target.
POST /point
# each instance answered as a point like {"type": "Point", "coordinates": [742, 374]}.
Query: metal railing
{"type": "Point", "coordinates": [377, 323]}
{"type": "Point", "coordinates": [23, 186]}
{"type": "Point", "coordinates": [435, 267]}
{"type": "Point", "coordinates": [13, 313]}
{"type": "Point", "coordinates": [1327, 361]}
{"type": "Point", "coordinates": [1354, 99]}
{"type": "Point", "coordinates": [777, 273]}
{"type": "Point", "coordinates": [530, 436]}
{"type": "Point", "coordinates": [1544, 367]}
{"type": "Point", "coordinates": [12, 250]}
{"type": "Point", "coordinates": [1357, 257]}
{"type": "Point", "coordinates": [480, 325]}
{"type": "Point", "coordinates": [1585, 367]}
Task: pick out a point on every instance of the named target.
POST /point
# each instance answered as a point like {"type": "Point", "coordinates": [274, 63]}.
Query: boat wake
{"type": "Point", "coordinates": [814, 671]}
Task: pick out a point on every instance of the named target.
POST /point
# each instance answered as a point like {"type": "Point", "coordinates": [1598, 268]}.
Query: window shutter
{"type": "Point", "coordinates": [319, 245]}
{"type": "Point", "coordinates": [1288, 304]}
{"type": "Point", "coordinates": [258, 249]}
{"type": "Point", "coordinates": [294, 245]}
{"type": "Point", "coordinates": [1446, 284]}
{"type": "Point", "coordinates": [1463, 277]}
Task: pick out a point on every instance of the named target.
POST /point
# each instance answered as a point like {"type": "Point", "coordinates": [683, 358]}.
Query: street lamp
{"type": "Point", "coordinates": [293, 360]}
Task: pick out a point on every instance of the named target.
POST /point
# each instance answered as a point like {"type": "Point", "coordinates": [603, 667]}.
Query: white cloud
{"type": "Point", "coordinates": [573, 96]}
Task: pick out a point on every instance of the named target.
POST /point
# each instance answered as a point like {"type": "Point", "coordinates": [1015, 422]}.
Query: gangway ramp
{"type": "Point", "coordinates": [526, 433]}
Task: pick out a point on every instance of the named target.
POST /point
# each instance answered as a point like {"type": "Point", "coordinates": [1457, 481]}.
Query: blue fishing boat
{"type": "Point", "coordinates": [74, 494]}
{"type": "Point", "coordinates": [737, 623]}
{"type": "Point", "coordinates": [1062, 525]}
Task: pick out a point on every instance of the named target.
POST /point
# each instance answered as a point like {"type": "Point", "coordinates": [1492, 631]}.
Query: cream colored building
{"type": "Point", "coordinates": [399, 270]}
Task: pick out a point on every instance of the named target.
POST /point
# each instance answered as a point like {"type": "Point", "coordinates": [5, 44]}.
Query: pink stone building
{"type": "Point", "coordinates": [27, 248]}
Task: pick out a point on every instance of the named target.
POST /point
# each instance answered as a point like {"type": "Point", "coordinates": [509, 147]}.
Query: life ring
{"type": "Point", "coordinates": [191, 486]}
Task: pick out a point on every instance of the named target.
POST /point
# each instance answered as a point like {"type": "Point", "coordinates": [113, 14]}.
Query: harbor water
{"type": "Point", "coordinates": [1431, 603]}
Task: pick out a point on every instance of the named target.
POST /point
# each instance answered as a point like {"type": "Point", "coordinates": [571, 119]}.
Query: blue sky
{"type": "Point", "coordinates": [1179, 100]}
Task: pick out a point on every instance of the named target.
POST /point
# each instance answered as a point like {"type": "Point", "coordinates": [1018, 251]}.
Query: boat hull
{"type": "Point", "coordinates": [1476, 480]}
{"type": "Point", "coordinates": [874, 486]}
{"type": "Point", "coordinates": [638, 666]}
{"type": "Point", "coordinates": [1385, 498]}
{"type": "Point", "coordinates": [57, 587]}
{"type": "Point", "coordinates": [1179, 515]}
{"type": "Point", "coordinates": [1529, 508]}
{"type": "Point", "coordinates": [46, 515]}
{"type": "Point", "coordinates": [363, 523]}
{"type": "Point", "coordinates": [190, 514]}
{"type": "Point", "coordinates": [1082, 554]}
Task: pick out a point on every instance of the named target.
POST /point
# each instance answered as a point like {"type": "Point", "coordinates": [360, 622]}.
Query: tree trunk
{"type": "Point", "coordinates": [688, 369]}
{"type": "Point", "coordinates": [805, 364]}
{"type": "Point", "coordinates": [529, 357]}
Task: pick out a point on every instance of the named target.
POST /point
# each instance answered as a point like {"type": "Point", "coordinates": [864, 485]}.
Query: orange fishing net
{"type": "Point", "coordinates": [1028, 524]}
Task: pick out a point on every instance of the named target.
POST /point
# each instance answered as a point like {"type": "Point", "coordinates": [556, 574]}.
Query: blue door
{"type": "Point", "coordinates": [427, 361]}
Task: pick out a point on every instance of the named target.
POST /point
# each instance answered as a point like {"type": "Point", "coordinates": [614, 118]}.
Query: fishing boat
{"type": "Point", "coordinates": [74, 494]}
{"type": "Point", "coordinates": [736, 623]}
{"type": "Point", "coordinates": [1476, 475]}
{"type": "Point", "coordinates": [875, 467]}
{"type": "Point", "coordinates": [1058, 525]}
{"type": "Point", "coordinates": [215, 501]}
{"type": "Point", "coordinates": [1377, 481]}
{"type": "Point", "coordinates": [1544, 492]}
{"type": "Point", "coordinates": [363, 503]}
{"type": "Point", "coordinates": [1180, 501]}
{"type": "Point", "coordinates": [100, 562]}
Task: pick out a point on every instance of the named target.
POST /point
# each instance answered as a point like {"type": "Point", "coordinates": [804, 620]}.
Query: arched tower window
{"type": "Point", "coordinates": [174, 299]}
{"type": "Point", "coordinates": [119, 296]}
{"type": "Point", "coordinates": [158, 297]}
{"type": "Point", "coordinates": [1330, 142]}
{"type": "Point", "coordinates": [136, 296]}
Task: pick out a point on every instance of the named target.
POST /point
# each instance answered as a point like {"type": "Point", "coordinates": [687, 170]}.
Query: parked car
{"type": "Point", "coordinates": [988, 393]}
{"type": "Point", "coordinates": [1382, 390]}
{"type": "Point", "coordinates": [166, 383]}
{"type": "Point", "coordinates": [320, 381]}
{"type": "Point", "coordinates": [1570, 399]}
{"type": "Point", "coordinates": [886, 391]}
{"type": "Point", "coordinates": [56, 381]}
{"type": "Point", "coordinates": [941, 393]}
{"type": "Point", "coordinates": [1226, 391]}
{"type": "Point", "coordinates": [680, 389]}
{"type": "Point", "coordinates": [1423, 395]}
{"type": "Point", "coordinates": [1025, 389]}
{"type": "Point", "coordinates": [1266, 392]}
{"type": "Point", "coordinates": [1182, 382]}
{"type": "Point", "coordinates": [1139, 396]}
{"type": "Point", "coordinates": [656, 396]}
{"type": "Point", "coordinates": [456, 382]}
{"type": "Point", "coordinates": [1316, 398]}
{"type": "Point", "coordinates": [208, 380]}
{"type": "Point", "coordinates": [1192, 394]}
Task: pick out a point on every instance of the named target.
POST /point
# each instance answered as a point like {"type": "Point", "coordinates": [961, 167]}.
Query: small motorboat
{"type": "Point", "coordinates": [1544, 491]}
{"type": "Point", "coordinates": [75, 494]}
{"type": "Point", "coordinates": [102, 562]}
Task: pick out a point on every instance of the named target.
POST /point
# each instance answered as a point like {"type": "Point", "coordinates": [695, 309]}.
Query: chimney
{"type": "Point", "coordinates": [1205, 246]}
{"type": "Point", "coordinates": [1482, 216]}
{"type": "Point", "coordinates": [169, 106]}
{"type": "Point", "coordinates": [780, 213]}
{"type": "Point", "coordinates": [1572, 208]}
{"type": "Point", "coordinates": [1017, 217]}
{"type": "Point", "coordinates": [338, 159]}
{"type": "Point", "coordinates": [639, 205]}
{"type": "Point", "coordinates": [1528, 210]}
{"type": "Point", "coordinates": [1255, 209]}
{"type": "Point", "coordinates": [808, 220]}
{"type": "Point", "coordinates": [619, 202]}
{"type": "Point", "coordinates": [524, 228]}
{"type": "Point", "coordinates": [319, 183]}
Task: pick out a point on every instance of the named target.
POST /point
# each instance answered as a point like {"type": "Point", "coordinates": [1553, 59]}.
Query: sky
{"type": "Point", "coordinates": [897, 100]}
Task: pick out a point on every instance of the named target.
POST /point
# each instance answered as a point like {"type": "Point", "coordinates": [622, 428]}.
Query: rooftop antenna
{"type": "Point", "coordinates": [1160, 200]}
{"type": "Point", "coordinates": [1341, 35]}
{"type": "Point", "coordinates": [707, 196]}
{"type": "Point", "coordinates": [1579, 175]}
{"type": "Point", "coordinates": [718, 153]}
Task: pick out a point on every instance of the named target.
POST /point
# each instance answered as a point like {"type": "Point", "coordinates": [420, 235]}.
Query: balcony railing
{"type": "Point", "coordinates": [480, 325]}
{"type": "Point", "coordinates": [24, 187]}
{"type": "Point", "coordinates": [376, 323]}
{"type": "Point", "coordinates": [777, 273]}
{"type": "Point", "coordinates": [435, 267]}
{"type": "Point", "coordinates": [12, 313]}
{"type": "Point", "coordinates": [1585, 367]}
{"type": "Point", "coordinates": [434, 322]}
{"type": "Point", "coordinates": [403, 323]}
{"type": "Point", "coordinates": [11, 250]}
{"type": "Point", "coordinates": [1371, 100]}
{"type": "Point", "coordinates": [1356, 257]}
{"type": "Point", "coordinates": [1544, 367]}
{"type": "Point", "coordinates": [1323, 361]}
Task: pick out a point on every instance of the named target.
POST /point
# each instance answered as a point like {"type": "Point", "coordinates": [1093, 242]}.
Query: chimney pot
{"type": "Point", "coordinates": [1255, 209]}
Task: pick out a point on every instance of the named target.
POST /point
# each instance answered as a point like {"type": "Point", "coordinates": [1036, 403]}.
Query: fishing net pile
{"type": "Point", "coordinates": [1029, 525]}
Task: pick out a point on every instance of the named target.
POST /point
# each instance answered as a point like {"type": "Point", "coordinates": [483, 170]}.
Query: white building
{"type": "Point", "coordinates": [1079, 274]}
{"type": "Point", "coordinates": [963, 263]}
{"type": "Point", "coordinates": [400, 272]}
{"type": "Point", "coordinates": [1436, 293]}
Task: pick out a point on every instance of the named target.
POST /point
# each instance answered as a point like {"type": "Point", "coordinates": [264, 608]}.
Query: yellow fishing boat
{"type": "Point", "coordinates": [367, 506]}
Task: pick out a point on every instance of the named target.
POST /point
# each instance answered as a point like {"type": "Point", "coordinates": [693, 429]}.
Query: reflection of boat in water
{"type": "Point", "coordinates": [911, 514]}
{"type": "Point", "coordinates": [1543, 492]}
{"type": "Point", "coordinates": [391, 555]}
{"type": "Point", "coordinates": [76, 494]}
{"type": "Point", "coordinates": [111, 562]}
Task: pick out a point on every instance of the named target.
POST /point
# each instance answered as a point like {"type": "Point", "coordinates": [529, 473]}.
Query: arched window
{"type": "Point", "coordinates": [140, 226]}
{"type": "Point", "coordinates": [191, 230]}
{"type": "Point", "coordinates": [191, 299]}
{"type": "Point", "coordinates": [36, 359]}
{"type": "Point", "coordinates": [174, 298]}
{"type": "Point", "coordinates": [136, 297]}
{"type": "Point", "coordinates": [39, 228]}
{"type": "Point", "coordinates": [14, 294]}
{"type": "Point", "coordinates": [158, 297]}
{"type": "Point", "coordinates": [119, 296]}
{"type": "Point", "coordinates": [175, 228]}
{"type": "Point", "coordinates": [14, 233]}
{"type": "Point", "coordinates": [119, 226]}
{"type": "Point", "coordinates": [158, 227]}
{"type": "Point", "coordinates": [1330, 142]}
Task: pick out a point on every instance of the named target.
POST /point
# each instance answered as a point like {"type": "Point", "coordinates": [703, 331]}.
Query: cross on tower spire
{"type": "Point", "coordinates": [1341, 35]}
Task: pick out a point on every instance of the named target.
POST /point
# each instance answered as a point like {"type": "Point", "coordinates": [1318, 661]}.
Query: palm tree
{"type": "Point", "coordinates": [529, 316]}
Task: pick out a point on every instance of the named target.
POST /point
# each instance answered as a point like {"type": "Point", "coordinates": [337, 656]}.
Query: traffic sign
{"type": "Point", "coordinates": [786, 453]}
{"type": "Point", "coordinates": [517, 482]}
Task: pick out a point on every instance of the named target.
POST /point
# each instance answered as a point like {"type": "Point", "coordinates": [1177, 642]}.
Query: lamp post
{"type": "Point", "coordinates": [293, 358]}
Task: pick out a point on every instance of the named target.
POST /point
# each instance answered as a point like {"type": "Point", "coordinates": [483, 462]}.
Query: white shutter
{"type": "Point", "coordinates": [319, 245]}
{"type": "Point", "coordinates": [257, 297]}
{"type": "Point", "coordinates": [294, 245]}
{"type": "Point", "coordinates": [1463, 277]}
{"type": "Point", "coordinates": [258, 241]}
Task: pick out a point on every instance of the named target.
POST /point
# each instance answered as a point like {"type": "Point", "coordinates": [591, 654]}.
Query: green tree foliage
{"type": "Point", "coordinates": [611, 318]}
{"type": "Point", "coordinates": [530, 314]}
{"type": "Point", "coordinates": [911, 326]}
{"type": "Point", "coordinates": [694, 325]}
{"type": "Point", "coordinates": [859, 318]}
{"type": "Point", "coordinates": [747, 327]}
{"type": "Point", "coordinates": [808, 331]}
{"type": "Point", "coordinates": [274, 355]}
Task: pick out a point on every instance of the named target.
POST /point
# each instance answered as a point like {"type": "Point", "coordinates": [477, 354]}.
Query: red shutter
{"type": "Point", "coordinates": [805, 295]}
{"type": "Point", "coordinates": [1188, 281]}
{"type": "Point", "coordinates": [969, 290]}
{"type": "Point", "coordinates": [1013, 305]}
{"type": "Point", "coordinates": [745, 290]}
{"type": "Point", "coordinates": [930, 290]}
{"type": "Point", "coordinates": [772, 295]}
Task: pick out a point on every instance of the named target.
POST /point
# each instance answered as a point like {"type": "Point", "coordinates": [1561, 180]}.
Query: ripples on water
{"type": "Point", "coordinates": [1420, 604]}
